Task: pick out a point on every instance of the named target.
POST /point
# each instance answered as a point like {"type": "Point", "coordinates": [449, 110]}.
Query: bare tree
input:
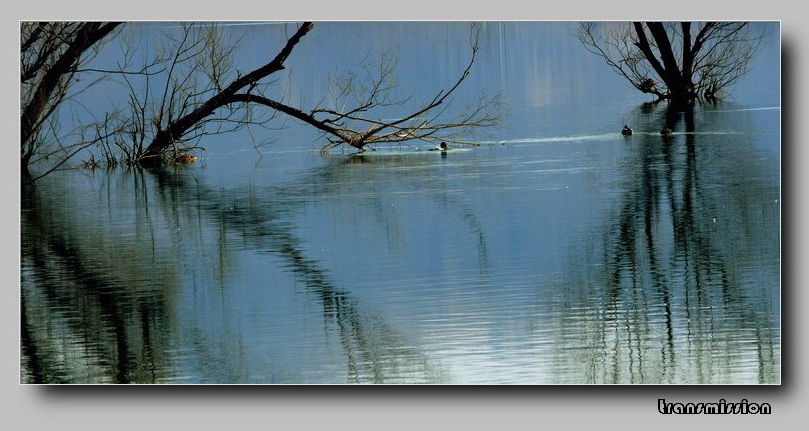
{"type": "Point", "coordinates": [347, 123]}
{"type": "Point", "coordinates": [187, 87]}
{"type": "Point", "coordinates": [51, 54]}
{"type": "Point", "coordinates": [188, 98]}
{"type": "Point", "coordinates": [678, 61]}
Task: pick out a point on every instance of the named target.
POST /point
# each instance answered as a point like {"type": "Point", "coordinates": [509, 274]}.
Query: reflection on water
{"type": "Point", "coordinates": [646, 259]}
{"type": "Point", "coordinates": [687, 265]}
{"type": "Point", "coordinates": [181, 256]}
{"type": "Point", "coordinates": [553, 254]}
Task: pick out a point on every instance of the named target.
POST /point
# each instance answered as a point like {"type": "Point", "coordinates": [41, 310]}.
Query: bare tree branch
{"type": "Point", "coordinates": [186, 89]}
{"type": "Point", "coordinates": [710, 61]}
{"type": "Point", "coordinates": [59, 50]}
{"type": "Point", "coordinates": [177, 128]}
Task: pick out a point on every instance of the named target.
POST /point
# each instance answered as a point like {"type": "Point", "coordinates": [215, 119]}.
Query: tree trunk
{"type": "Point", "coordinates": [680, 87]}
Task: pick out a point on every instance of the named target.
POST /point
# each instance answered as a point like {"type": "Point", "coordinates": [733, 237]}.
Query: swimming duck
{"type": "Point", "coordinates": [441, 147]}
{"type": "Point", "coordinates": [665, 131]}
{"type": "Point", "coordinates": [626, 131]}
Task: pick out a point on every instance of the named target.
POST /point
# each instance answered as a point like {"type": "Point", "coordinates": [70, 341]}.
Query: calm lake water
{"type": "Point", "coordinates": [556, 252]}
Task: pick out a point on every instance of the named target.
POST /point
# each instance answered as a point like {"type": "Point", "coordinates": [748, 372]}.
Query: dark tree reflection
{"type": "Point", "coordinates": [87, 318]}
{"type": "Point", "coordinates": [116, 291]}
{"type": "Point", "coordinates": [682, 284]}
{"type": "Point", "coordinates": [374, 352]}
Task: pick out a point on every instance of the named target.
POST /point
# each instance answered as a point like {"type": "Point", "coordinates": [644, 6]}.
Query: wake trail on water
{"type": "Point", "coordinates": [551, 139]}
{"type": "Point", "coordinates": [762, 108]}
{"type": "Point", "coordinates": [601, 137]}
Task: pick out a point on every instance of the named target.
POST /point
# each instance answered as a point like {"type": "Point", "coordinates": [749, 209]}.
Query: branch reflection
{"type": "Point", "coordinates": [681, 286]}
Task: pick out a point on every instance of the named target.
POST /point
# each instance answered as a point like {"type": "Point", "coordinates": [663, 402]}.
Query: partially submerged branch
{"type": "Point", "coordinates": [421, 124]}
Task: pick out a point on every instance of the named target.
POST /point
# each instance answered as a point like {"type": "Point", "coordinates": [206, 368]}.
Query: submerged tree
{"type": "Point", "coordinates": [676, 61]}
{"type": "Point", "coordinates": [192, 89]}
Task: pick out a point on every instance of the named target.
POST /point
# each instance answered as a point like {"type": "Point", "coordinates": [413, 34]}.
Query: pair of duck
{"type": "Point", "coordinates": [626, 131]}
